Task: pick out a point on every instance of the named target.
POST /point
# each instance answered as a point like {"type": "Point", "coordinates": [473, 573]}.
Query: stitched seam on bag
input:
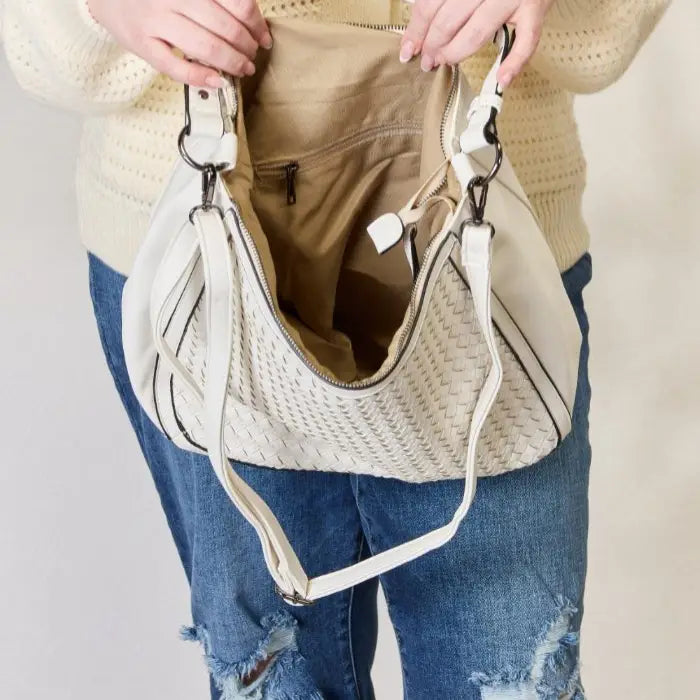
{"type": "Point", "coordinates": [183, 430]}
{"type": "Point", "coordinates": [154, 377]}
{"type": "Point", "coordinates": [157, 362]}
{"type": "Point", "coordinates": [534, 354]}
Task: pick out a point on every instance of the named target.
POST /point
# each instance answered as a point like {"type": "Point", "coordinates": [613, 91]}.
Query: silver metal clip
{"type": "Point", "coordinates": [295, 598]}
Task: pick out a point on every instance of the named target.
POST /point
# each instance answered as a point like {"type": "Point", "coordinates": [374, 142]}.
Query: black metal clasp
{"type": "Point", "coordinates": [490, 132]}
{"type": "Point", "coordinates": [209, 175]}
{"type": "Point", "coordinates": [477, 208]}
{"type": "Point", "coordinates": [208, 184]}
{"type": "Point", "coordinates": [482, 181]}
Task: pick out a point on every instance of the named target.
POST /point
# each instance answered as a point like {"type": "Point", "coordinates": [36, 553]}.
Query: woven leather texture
{"type": "Point", "coordinates": [414, 427]}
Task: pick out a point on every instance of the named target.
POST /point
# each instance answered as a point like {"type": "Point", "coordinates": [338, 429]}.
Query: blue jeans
{"type": "Point", "coordinates": [495, 613]}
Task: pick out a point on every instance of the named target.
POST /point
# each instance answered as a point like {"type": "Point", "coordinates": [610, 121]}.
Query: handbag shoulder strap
{"type": "Point", "coordinates": [216, 258]}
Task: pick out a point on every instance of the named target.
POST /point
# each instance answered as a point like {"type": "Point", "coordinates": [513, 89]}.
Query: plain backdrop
{"type": "Point", "coordinates": [91, 589]}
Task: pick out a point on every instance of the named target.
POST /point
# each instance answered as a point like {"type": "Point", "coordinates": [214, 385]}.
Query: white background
{"type": "Point", "coordinates": [91, 589]}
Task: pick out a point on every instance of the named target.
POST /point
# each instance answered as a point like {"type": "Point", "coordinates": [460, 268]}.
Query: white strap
{"type": "Point", "coordinates": [490, 97]}
{"type": "Point", "coordinates": [218, 307]}
{"type": "Point", "coordinates": [477, 256]}
{"type": "Point", "coordinates": [484, 102]}
{"type": "Point", "coordinates": [212, 241]}
{"type": "Point", "coordinates": [281, 560]}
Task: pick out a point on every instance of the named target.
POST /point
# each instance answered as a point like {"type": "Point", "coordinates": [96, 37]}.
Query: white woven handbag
{"type": "Point", "coordinates": [271, 316]}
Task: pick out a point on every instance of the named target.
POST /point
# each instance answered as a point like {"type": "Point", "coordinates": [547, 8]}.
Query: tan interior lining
{"type": "Point", "coordinates": [364, 135]}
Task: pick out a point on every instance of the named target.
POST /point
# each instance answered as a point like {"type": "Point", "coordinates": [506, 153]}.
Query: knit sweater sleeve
{"type": "Point", "coordinates": [62, 56]}
{"type": "Point", "coordinates": [587, 45]}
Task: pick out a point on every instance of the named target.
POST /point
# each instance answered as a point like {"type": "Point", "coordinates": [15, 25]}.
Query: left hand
{"type": "Point", "coordinates": [447, 31]}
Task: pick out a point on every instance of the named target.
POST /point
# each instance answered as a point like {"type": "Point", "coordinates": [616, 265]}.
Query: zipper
{"type": "Point", "coordinates": [396, 28]}
{"type": "Point", "coordinates": [262, 279]}
{"type": "Point", "coordinates": [288, 169]}
{"type": "Point", "coordinates": [315, 158]}
{"type": "Point", "coordinates": [417, 283]}
{"type": "Point", "coordinates": [443, 123]}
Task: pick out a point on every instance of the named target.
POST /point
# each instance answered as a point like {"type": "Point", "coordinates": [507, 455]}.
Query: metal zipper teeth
{"type": "Point", "coordinates": [319, 156]}
{"type": "Point", "coordinates": [443, 122]}
{"type": "Point", "coordinates": [260, 273]}
{"type": "Point", "coordinates": [398, 28]}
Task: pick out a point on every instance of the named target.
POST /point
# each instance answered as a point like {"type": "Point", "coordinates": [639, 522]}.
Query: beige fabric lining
{"type": "Point", "coordinates": [365, 137]}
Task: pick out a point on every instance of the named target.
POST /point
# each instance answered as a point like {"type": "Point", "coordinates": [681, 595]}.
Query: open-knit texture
{"type": "Point", "coordinates": [62, 56]}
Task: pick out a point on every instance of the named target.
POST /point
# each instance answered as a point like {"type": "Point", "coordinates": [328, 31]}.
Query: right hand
{"type": "Point", "coordinates": [216, 34]}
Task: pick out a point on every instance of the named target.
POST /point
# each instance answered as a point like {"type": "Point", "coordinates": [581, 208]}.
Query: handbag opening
{"type": "Point", "coordinates": [327, 143]}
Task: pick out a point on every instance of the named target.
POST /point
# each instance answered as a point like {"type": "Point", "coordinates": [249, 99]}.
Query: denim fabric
{"type": "Point", "coordinates": [495, 613]}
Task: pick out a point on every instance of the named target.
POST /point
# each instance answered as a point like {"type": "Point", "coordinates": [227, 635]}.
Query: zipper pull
{"type": "Point", "coordinates": [290, 170]}
{"type": "Point", "coordinates": [386, 231]}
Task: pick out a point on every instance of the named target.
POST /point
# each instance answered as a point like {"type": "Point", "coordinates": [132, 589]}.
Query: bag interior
{"type": "Point", "coordinates": [333, 132]}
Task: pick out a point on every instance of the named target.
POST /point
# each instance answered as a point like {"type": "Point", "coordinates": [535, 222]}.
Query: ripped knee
{"type": "Point", "coordinates": [554, 672]}
{"type": "Point", "coordinates": [275, 670]}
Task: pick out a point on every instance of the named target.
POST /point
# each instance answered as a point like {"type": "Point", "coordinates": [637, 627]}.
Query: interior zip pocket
{"type": "Point", "coordinates": [288, 168]}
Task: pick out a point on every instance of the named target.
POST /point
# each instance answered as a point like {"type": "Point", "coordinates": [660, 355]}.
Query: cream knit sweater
{"type": "Point", "coordinates": [133, 114]}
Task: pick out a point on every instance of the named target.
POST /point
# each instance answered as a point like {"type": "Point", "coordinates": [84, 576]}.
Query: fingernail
{"type": "Point", "coordinates": [505, 80]}
{"type": "Point", "coordinates": [250, 68]}
{"type": "Point", "coordinates": [426, 63]}
{"type": "Point", "coordinates": [266, 43]}
{"type": "Point", "coordinates": [406, 51]}
{"type": "Point", "coordinates": [215, 81]}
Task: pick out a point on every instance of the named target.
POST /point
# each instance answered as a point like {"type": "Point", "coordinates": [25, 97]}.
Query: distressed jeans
{"type": "Point", "coordinates": [493, 614]}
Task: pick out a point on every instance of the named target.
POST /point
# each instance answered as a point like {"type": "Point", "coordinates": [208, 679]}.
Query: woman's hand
{"type": "Point", "coordinates": [217, 34]}
{"type": "Point", "coordinates": [447, 31]}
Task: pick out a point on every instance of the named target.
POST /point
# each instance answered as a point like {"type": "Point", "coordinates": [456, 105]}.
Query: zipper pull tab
{"type": "Point", "coordinates": [290, 170]}
{"type": "Point", "coordinates": [386, 231]}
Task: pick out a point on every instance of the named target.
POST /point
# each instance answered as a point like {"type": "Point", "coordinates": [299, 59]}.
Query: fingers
{"type": "Point", "coordinates": [447, 31]}
{"type": "Point", "coordinates": [528, 28]}
{"type": "Point", "coordinates": [217, 35]}
{"type": "Point", "coordinates": [203, 46]}
{"type": "Point", "coordinates": [248, 12]}
{"type": "Point", "coordinates": [454, 17]}
{"type": "Point", "coordinates": [422, 15]}
{"type": "Point", "coordinates": [160, 55]}
{"type": "Point", "coordinates": [213, 17]}
{"type": "Point", "coordinates": [484, 22]}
